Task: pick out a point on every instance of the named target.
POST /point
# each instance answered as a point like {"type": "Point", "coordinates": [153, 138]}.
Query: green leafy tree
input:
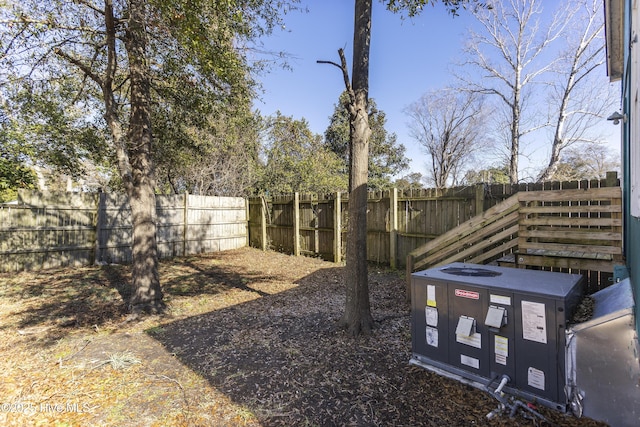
{"type": "Point", "coordinates": [119, 54]}
{"type": "Point", "coordinates": [50, 128]}
{"type": "Point", "coordinates": [212, 153]}
{"type": "Point", "coordinates": [14, 176]}
{"type": "Point", "coordinates": [14, 173]}
{"type": "Point", "coordinates": [412, 180]}
{"type": "Point", "coordinates": [492, 175]}
{"type": "Point", "coordinates": [386, 156]}
{"type": "Point", "coordinates": [295, 160]}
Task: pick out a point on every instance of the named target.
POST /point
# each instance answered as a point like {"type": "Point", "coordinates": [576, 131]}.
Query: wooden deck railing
{"type": "Point", "coordinates": [561, 229]}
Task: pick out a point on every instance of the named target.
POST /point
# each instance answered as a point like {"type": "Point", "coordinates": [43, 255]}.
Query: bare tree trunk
{"type": "Point", "coordinates": [357, 317]}
{"type": "Point", "coordinates": [583, 58]}
{"type": "Point", "coordinates": [515, 138]}
{"type": "Point", "coordinates": [554, 159]}
{"type": "Point", "coordinates": [147, 294]}
{"type": "Point", "coordinates": [511, 29]}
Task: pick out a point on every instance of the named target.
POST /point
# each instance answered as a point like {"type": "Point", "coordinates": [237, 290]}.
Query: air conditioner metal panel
{"type": "Point", "coordinates": [494, 321]}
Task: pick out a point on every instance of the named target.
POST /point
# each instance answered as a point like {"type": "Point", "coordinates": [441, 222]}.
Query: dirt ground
{"type": "Point", "coordinates": [249, 340]}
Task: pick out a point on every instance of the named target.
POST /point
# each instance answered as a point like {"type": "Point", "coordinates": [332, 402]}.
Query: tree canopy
{"type": "Point", "coordinates": [296, 160]}
{"type": "Point", "coordinates": [449, 125]}
{"type": "Point", "coordinates": [578, 99]}
{"type": "Point", "coordinates": [386, 156]}
{"type": "Point", "coordinates": [538, 63]}
{"type": "Point", "coordinates": [124, 64]}
{"type": "Point", "coordinates": [198, 63]}
{"type": "Point", "coordinates": [14, 176]}
{"type": "Point", "coordinates": [490, 175]}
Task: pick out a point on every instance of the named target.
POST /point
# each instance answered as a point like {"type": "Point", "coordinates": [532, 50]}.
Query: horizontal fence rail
{"type": "Point", "coordinates": [576, 229]}
{"type": "Point", "coordinates": [478, 240]}
{"type": "Point", "coordinates": [397, 221]}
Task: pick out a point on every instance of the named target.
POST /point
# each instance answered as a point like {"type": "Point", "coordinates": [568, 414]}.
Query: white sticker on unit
{"type": "Point", "coordinates": [501, 360]}
{"type": "Point", "coordinates": [470, 361]}
{"type": "Point", "coordinates": [535, 378]}
{"type": "Point", "coordinates": [499, 299]}
{"type": "Point", "coordinates": [474, 340]}
{"type": "Point", "coordinates": [432, 336]}
{"type": "Point", "coordinates": [431, 315]}
{"type": "Point", "coordinates": [502, 345]}
{"type": "Point", "coordinates": [431, 295]}
{"type": "Point", "coordinates": [534, 322]}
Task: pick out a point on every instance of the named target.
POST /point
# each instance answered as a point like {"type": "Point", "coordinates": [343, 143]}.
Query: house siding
{"type": "Point", "coordinates": [631, 146]}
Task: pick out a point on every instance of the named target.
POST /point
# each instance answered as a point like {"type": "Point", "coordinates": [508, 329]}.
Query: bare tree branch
{"type": "Point", "coordinates": [449, 125]}
{"type": "Point", "coordinates": [578, 103]}
{"type": "Point", "coordinates": [345, 75]}
{"type": "Point", "coordinates": [78, 63]}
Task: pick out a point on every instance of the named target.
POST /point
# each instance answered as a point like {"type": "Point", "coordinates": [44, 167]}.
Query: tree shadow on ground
{"type": "Point", "coordinates": [282, 357]}
{"type": "Point", "coordinates": [60, 299]}
{"type": "Point", "coordinates": [279, 354]}
{"type": "Point", "coordinates": [49, 304]}
{"type": "Point", "coordinates": [190, 277]}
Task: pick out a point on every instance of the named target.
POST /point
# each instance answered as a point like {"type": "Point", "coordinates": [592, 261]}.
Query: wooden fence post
{"type": "Point", "coordinates": [263, 223]}
{"type": "Point", "coordinates": [247, 215]}
{"type": "Point", "coordinates": [296, 224]}
{"type": "Point", "coordinates": [479, 199]}
{"type": "Point", "coordinates": [100, 217]}
{"type": "Point", "coordinates": [185, 227]}
{"type": "Point", "coordinates": [393, 228]}
{"type": "Point", "coordinates": [409, 270]}
{"type": "Point", "coordinates": [337, 228]}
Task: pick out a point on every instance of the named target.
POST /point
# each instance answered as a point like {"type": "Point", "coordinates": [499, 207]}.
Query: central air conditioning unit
{"type": "Point", "coordinates": [487, 324]}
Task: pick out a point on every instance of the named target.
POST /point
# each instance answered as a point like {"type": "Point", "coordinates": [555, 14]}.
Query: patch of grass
{"type": "Point", "coordinates": [122, 360]}
{"type": "Point", "coordinates": [245, 415]}
{"type": "Point", "coordinates": [155, 330]}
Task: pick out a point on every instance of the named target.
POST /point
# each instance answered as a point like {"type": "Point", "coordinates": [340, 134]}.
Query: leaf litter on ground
{"type": "Point", "coordinates": [250, 339]}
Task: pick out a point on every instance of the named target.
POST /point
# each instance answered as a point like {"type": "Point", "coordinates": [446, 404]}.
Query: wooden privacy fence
{"type": "Point", "coordinates": [560, 230]}
{"type": "Point", "coordinates": [65, 229]}
{"type": "Point", "coordinates": [80, 229]}
{"type": "Point", "coordinates": [398, 222]}
{"type": "Point", "coordinates": [483, 238]}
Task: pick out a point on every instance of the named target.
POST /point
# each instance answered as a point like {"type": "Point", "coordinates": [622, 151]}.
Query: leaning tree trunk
{"type": "Point", "coordinates": [357, 316]}
{"type": "Point", "coordinates": [558, 137]}
{"type": "Point", "coordinates": [515, 140]}
{"type": "Point", "coordinates": [146, 293]}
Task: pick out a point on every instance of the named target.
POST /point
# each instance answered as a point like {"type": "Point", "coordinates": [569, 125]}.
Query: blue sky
{"type": "Point", "coordinates": [408, 58]}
